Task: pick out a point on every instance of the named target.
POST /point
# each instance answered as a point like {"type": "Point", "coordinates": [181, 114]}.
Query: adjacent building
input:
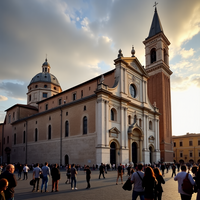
{"type": "Point", "coordinates": [186, 148]}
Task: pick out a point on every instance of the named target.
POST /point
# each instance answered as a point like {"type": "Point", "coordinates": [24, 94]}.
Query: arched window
{"type": "Point", "coordinates": [113, 114]}
{"type": "Point", "coordinates": [150, 125]}
{"type": "Point", "coordinates": [165, 56]}
{"type": "Point", "coordinates": [135, 118]}
{"type": "Point", "coordinates": [129, 119]}
{"type": "Point", "coordinates": [36, 135]}
{"type": "Point", "coordinates": [49, 132]}
{"type": "Point", "coordinates": [153, 55]}
{"type": "Point", "coordinates": [66, 129]}
{"type": "Point", "coordinates": [85, 125]}
{"type": "Point", "coordinates": [140, 122]}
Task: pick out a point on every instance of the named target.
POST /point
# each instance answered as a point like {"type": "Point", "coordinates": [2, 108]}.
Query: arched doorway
{"type": "Point", "coordinates": [181, 161]}
{"type": "Point", "coordinates": [150, 154]}
{"type": "Point", "coordinates": [66, 159]}
{"type": "Point", "coordinates": [113, 153]}
{"type": "Point", "coordinates": [134, 153]}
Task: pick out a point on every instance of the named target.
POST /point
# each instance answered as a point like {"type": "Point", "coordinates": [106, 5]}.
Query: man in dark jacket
{"type": "Point", "coordinates": [55, 173]}
{"type": "Point", "coordinates": [9, 175]}
{"type": "Point", "coordinates": [88, 176]}
{"type": "Point", "coordinates": [101, 170]}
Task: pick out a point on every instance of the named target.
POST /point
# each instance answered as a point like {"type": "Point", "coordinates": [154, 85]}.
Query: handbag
{"type": "Point", "coordinates": [127, 185]}
{"type": "Point", "coordinates": [187, 186]}
{"type": "Point", "coordinates": [32, 182]}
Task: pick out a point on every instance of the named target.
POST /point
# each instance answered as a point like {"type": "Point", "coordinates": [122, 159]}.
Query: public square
{"type": "Point", "coordinates": [100, 189]}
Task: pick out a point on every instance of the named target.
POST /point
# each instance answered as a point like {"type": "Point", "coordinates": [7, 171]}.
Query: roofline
{"type": "Point", "coordinates": [109, 72]}
{"type": "Point", "coordinates": [55, 108]}
{"type": "Point", "coordinates": [22, 105]}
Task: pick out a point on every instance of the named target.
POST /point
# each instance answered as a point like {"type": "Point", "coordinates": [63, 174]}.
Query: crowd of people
{"type": "Point", "coordinates": [147, 180]}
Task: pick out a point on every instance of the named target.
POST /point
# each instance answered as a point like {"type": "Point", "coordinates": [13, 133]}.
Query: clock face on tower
{"type": "Point", "coordinates": [132, 90]}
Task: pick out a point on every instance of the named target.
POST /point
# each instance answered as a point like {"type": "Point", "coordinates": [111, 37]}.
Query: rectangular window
{"type": "Point", "coordinates": [81, 93]}
{"type": "Point", "coordinates": [181, 144]}
{"type": "Point", "coordinates": [190, 143]}
{"type": "Point", "coordinates": [173, 154]}
{"type": "Point", "coordinates": [174, 144]}
{"type": "Point", "coordinates": [13, 116]}
{"type": "Point", "coordinates": [181, 154]}
{"type": "Point", "coordinates": [9, 119]}
{"type": "Point", "coordinates": [46, 107]}
{"type": "Point", "coordinates": [30, 97]}
{"type": "Point", "coordinates": [74, 97]}
{"type": "Point", "coordinates": [44, 95]}
{"type": "Point", "coordinates": [190, 154]}
{"type": "Point", "coordinates": [198, 142]}
{"type": "Point", "coordinates": [59, 101]}
{"type": "Point", "coordinates": [24, 137]}
{"type": "Point", "coordinates": [15, 138]}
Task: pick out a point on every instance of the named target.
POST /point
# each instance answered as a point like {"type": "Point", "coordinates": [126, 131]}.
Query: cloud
{"type": "Point", "coordinates": [3, 98]}
{"type": "Point", "coordinates": [187, 53]}
{"type": "Point", "coordinates": [14, 90]}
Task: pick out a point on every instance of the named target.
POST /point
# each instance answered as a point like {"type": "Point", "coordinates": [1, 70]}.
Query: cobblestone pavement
{"type": "Point", "coordinates": [100, 189]}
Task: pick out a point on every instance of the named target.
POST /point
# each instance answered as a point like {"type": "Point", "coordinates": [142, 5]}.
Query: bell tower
{"type": "Point", "coordinates": [159, 92]}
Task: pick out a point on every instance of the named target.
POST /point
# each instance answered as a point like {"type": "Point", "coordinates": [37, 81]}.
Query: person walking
{"type": "Point", "coordinates": [101, 171]}
{"type": "Point", "coordinates": [88, 176]}
{"type": "Point", "coordinates": [55, 173]}
{"type": "Point", "coordinates": [198, 183]}
{"type": "Point", "coordinates": [20, 169]}
{"type": "Point", "coordinates": [12, 183]}
{"type": "Point", "coordinates": [73, 177]}
{"type": "Point", "coordinates": [25, 169]}
{"type": "Point", "coordinates": [45, 174]}
{"type": "Point", "coordinates": [162, 168]}
{"type": "Point", "coordinates": [148, 183]}
{"type": "Point", "coordinates": [68, 174]}
{"type": "Point", "coordinates": [173, 170]}
{"type": "Point", "coordinates": [136, 178]}
{"type": "Point", "coordinates": [3, 187]}
{"type": "Point", "coordinates": [36, 176]}
{"type": "Point", "coordinates": [119, 173]}
{"type": "Point", "coordinates": [158, 189]}
{"type": "Point", "coordinates": [180, 177]}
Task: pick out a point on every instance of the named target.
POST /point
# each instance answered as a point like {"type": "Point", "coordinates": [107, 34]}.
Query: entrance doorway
{"type": "Point", "coordinates": [66, 159]}
{"type": "Point", "coordinates": [150, 154]}
{"type": "Point", "coordinates": [134, 153]}
{"type": "Point", "coordinates": [113, 153]}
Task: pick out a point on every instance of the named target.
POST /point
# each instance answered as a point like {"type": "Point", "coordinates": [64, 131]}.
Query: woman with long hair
{"type": "Point", "coordinates": [158, 188]}
{"type": "Point", "coordinates": [149, 182]}
{"type": "Point", "coordinates": [3, 186]}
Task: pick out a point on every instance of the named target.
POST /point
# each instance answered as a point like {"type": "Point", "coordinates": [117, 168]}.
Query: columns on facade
{"type": "Point", "coordinates": [125, 129]}
{"type": "Point", "coordinates": [125, 81]}
{"type": "Point", "coordinates": [122, 127]}
{"type": "Point", "coordinates": [130, 150]}
{"type": "Point", "coordinates": [121, 80]}
{"type": "Point", "coordinates": [140, 150]}
{"type": "Point", "coordinates": [100, 122]}
{"type": "Point", "coordinates": [145, 131]}
{"type": "Point", "coordinates": [158, 136]}
{"type": "Point", "coordinates": [106, 123]}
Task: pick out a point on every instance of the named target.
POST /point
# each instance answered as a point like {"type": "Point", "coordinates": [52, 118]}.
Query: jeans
{"type": "Point", "coordinates": [136, 194]}
{"type": "Point", "coordinates": [73, 179]}
{"type": "Point", "coordinates": [185, 197]}
{"type": "Point", "coordinates": [25, 175]}
{"type": "Point", "coordinates": [45, 181]}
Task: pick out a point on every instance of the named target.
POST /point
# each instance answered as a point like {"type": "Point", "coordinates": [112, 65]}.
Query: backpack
{"type": "Point", "coordinates": [187, 186]}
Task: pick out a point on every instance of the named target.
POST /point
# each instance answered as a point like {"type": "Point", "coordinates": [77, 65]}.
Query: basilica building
{"type": "Point", "coordinates": [121, 116]}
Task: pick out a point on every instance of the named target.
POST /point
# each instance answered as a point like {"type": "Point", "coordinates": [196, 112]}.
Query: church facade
{"type": "Point", "coordinates": [119, 116]}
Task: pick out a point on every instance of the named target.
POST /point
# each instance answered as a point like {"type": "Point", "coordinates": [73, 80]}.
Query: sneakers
{"type": "Point", "coordinates": [76, 188]}
{"type": "Point", "coordinates": [72, 188]}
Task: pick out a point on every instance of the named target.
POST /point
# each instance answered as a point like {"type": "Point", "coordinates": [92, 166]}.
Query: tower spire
{"type": "Point", "coordinates": [156, 26]}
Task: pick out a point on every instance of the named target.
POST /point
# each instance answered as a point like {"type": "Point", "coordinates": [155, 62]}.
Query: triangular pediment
{"type": "Point", "coordinates": [133, 126]}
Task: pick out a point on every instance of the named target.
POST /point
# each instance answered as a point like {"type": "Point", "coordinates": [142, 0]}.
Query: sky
{"type": "Point", "coordinates": [81, 38]}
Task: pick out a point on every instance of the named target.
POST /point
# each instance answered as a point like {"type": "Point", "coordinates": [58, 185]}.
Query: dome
{"type": "Point", "coordinates": [45, 77]}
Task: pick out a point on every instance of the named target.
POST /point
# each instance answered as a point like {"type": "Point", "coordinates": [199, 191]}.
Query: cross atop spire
{"type": "Point", "coordinates": [155, 4]}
